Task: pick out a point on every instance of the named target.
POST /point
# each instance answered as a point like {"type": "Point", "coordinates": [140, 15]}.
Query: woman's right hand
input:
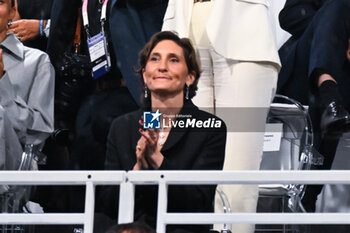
{"type": "Point", "coordinates": [141, 150]}
{"type": "Point", "coordinates": [141, 162]}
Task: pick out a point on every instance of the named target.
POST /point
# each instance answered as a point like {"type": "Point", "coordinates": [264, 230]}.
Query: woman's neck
{"type": "Point", "coordinates": [168, 105]}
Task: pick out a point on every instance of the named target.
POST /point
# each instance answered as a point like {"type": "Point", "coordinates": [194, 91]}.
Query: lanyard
{"type": "Point", "coordinates": [85, 15]}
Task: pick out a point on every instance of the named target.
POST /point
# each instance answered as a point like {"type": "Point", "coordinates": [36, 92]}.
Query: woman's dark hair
{"type": "Point", "coordinates": [189, 54]}
{"type": "Point", "coordinates": [12, 3]}
{"type": "Point", "coordinates": [134, 227]}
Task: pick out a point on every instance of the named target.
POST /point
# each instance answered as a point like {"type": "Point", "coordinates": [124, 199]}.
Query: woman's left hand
{"type": "Point", "coordinates": [25, 29]}
{"type": "Point", "coordinates": [154, 157]}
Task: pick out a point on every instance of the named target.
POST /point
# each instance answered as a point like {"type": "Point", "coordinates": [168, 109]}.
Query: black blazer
{"type": "Point", "coordinates": [184, 149]}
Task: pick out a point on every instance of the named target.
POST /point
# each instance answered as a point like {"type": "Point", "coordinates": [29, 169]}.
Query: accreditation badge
{"type": "Point", "coordinates": [99, 55]}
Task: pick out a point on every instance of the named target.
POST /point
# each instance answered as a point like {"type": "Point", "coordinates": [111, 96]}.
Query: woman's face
{"type": "Point", "coordinates": [6, 14]}
{"type": "Point", "coordinates": [166, 71]}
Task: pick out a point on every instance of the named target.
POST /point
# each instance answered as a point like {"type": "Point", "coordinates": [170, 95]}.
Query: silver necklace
{"type": "Point", "coordinates": [161, 139]}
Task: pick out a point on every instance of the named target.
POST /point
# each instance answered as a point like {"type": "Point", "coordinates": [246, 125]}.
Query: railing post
{"type": "Point", "coordinates": [126, 202]}
{"type": "Point", "coordinates": [89, 207]}
{"type": "Point", "coordinates": [162, 205]}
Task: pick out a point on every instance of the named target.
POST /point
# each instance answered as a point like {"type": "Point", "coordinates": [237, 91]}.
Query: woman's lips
{"type": "Point", "coordinates": [162, 77]}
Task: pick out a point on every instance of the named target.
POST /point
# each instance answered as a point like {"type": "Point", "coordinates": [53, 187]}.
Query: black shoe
{"type": "Point", "coordinates": [309, 205]}
{"type": "Point", "coordinates": [335, 119]}
{"type": "Point", "coordinates": [61, 136]}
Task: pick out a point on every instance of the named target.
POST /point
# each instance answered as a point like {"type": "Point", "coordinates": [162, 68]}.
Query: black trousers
{"type": "Point", "coordinates": [323, 46]}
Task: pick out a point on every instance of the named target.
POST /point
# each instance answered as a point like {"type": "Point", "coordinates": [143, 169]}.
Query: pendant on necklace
{"type": "Point", "coordinates": [161, 140]}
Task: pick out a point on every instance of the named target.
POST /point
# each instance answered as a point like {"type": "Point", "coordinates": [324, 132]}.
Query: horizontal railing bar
{"type": "Point", "coordinates": [258, 218]}
{"type": "Point", "coordinates": [174, 177]}
{"type": "Point", "coordinates": [61, 177]}
{"type": "Point", "coordinates": [42, 219]}
{"type": "Point", "coordinates": [240, 177]}
{"type": "Point", "coordinates": [191, 218]}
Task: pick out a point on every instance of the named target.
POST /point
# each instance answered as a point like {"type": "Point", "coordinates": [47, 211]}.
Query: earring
{"type": "Point", "coordinates": [9, 23]}
{"type": "Point", "coordinates": [146, 91]}
{"type": "Point", "coordinates": [187, 93]}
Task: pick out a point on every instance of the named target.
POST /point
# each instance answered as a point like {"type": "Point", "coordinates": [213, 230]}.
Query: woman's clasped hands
{"type": "Point", "coordinates": [148, 153]}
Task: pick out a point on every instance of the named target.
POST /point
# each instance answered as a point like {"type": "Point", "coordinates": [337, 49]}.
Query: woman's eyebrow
{"type": "Point", "coordinates": [167, 55]}
{"type": "Point", "coordinates": [173, 55]}
{"type": "Point", "coordinates": [155, 54]}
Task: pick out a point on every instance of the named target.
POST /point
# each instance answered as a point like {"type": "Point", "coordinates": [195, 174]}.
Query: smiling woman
{"type": "Point", "coordinates": [175, 53]}
{"type": "Point", "coordinates": [169, 71]}
{"type": "Point", "coordinates": [166, 72]}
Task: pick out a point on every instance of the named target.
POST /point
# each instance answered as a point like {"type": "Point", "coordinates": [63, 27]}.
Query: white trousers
{"type": "Point", "coordinates": [240, 93]}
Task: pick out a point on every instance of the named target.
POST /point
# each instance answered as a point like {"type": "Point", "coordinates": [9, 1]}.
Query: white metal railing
{"type": "Point", "coordinates": [165, 178]}
{"type": "Point", "coordinates": [87, 178]}
{"type": "Point", "coordinates": [128, 180]}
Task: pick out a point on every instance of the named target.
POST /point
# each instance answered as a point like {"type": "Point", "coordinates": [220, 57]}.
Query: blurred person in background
{"type": "Point", "coordinates": [31, 24]}
{"type": "Point", "coordinates": [128, 25]}
{"type": "Point", "coordinates": [26, 93]}
{"type": "Point", "coordinates": [87, 104]}
{"type": "Point", "coordinates": [236, 43]}
{"type": "Point", "coordinates": [316, 70]}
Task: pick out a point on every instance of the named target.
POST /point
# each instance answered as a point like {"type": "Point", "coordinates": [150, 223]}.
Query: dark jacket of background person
{"type": "Point", "coordinates": [184, 149]}
{"type": "Point", "coordinates": [129, 26]}
{"type": "Point", "coordinates": [132, 23]}
{"type": "Point", "coordinates": [62, 29]}
{"type": "Point", "coordinates": [105, 98]}
{"type": "Point", "coordinates": [35, 9]}
{"type": "Point", "coordinates": [296, 15]}
{"type": "Point", "coordinates": [319, 41]}
{"type": "Point", "coordinates": [294, 18]}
